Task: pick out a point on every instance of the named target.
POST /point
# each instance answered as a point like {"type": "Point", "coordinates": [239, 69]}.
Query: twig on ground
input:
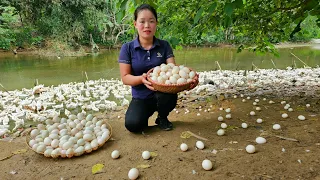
{"type": "Point", "coordinates": [199, 137]}
{"type": "Point", "coordinates": [286, 138]}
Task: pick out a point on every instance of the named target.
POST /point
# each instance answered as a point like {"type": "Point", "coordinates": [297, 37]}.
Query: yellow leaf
{"type": "Point", "coordinates": [185, 135]}
{"type": "Point", "coordinates": [97, 168]}
{"type": "Point", "coordinates": [153, 154]}
{"type": "Point", "coordinates": [143, 166]}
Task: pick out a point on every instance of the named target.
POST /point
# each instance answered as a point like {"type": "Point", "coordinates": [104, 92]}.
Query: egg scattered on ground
{"type": "Point", "coordinates": [250, 149]}
{"type": "Point", "coordinates": [199, 144]}
{"type": "Point", "coordinates": [276, 126]}
{"type": "Point", "coordinates": [206, 164]}
{"type": "Point", "coordinates": [146, 155]}
{"type": "Point", "coordinates": [115, 154]}
{"type": "Point", "coordinates": [133, 173]}
{"type": "Point", "coordinates": [184, 147]}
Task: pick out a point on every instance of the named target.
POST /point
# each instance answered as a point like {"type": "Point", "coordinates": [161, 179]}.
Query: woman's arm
{"type": "Point", "coordinates": [171, 60]}
{"type": "Point", "coordinates": [131, 80]}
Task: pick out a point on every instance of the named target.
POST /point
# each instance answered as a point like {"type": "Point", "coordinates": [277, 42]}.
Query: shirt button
{"type": "Point", "coordinates": [148, 57]}
{"type": "Point", "coordinates": [148, 51]}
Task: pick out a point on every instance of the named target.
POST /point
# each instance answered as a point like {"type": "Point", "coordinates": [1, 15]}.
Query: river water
{"type": "Point", "coordinates": [22, 71]}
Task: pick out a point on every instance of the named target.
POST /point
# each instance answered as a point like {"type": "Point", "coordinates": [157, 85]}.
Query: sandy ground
{"type": "Point", "coordinates": [277, 159]}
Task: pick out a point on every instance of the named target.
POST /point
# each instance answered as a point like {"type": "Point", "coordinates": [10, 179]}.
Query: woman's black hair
{"type": "Point", "coordinates": [145, 7]}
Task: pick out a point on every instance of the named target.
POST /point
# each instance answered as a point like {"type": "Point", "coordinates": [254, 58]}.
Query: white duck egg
{"type": "Point", "coordinates": [35, 146]}
{"type": "Point", "coordinates": [48, 152]}
{"type": "Point", "coordinates": [183, 74]}
{"type": "Point", "coordinates": [250, 149]}
{"type": "Point", "coordinates": [169, 74]}
{"type": "Point", "coordinates": [252, 113]}
{"type": "Point", "coordinates": [94, 144]}
{"type": "Point", "coordinates": [175, 70]}
{"type": "Point", "coordinates": [41, 148]}
{"type": "Point", "coordinates": [67, 145]}
{"type": "Point", "coordinates": [164, 68]}
{"type": "Point", "coordinates": [220, 132]}
{"type": "Point", "coordinates": [32, 142]}
{"type": "Point", "coordinates": [307, 105]}
{"type": "Point", "coordinates": [228, 116]}
{"type": "Point", "coordinates": [74, 131]}
{"type": "Point", "coordinates": [177, 76]}
{"type": "Point", "coordinates": [104, 126]}
{"type": "Point", "coordinates": [254, 103]}
{"type": "Point", "coordinates": [160, 79]}
{"type": "Point", "coordinates": [133, 174]}
{"type": "Point", "coordinates": [55, 143]}
{"type": "Point", "coordinates": [99, 123]}
{"type": "Point", "coordinates": [261, 140]}
{"type": "Point", "coordinates": [165, 77]}
{"type": "Point", "coordinates": [89, 123]}
{"type": "Point", "coordinates": [244, 125]}
{"type": "Point", "coordinates": [276, 126]}
{"type": "Point", "coordinates": [47, 141]}
{"type": "Point", "coordinates": [79, 126]}
{"type": "Point", "coordinates": [79, 151]}
{"type": "Point", "coordinates": [184, 147]}
{"type": "Point", "coordinates": [259, 120]}
{"type": "Point", "coordinates": [34, 133]}
{"type": "Point", "coordinates": [301, 117]}
{"type": "Point", "coordinates": [154, 73]}
{"type": "Point", "coordinates": [199, 144]}
{"type": "Point", "coordinates": [181, 81]}
{"type": "Point", "coordinates": [173, 80]}
{"type": "Point", "coordinates": [89, 117]}
{"type": "Point", "coordinates": [70, 152]}
{"type": "Point", "coordinates": [101, 141]}
{"type": "Point", "coordinates": [55, 153]}
{"type": "Point", "coordinates": [146, 155]}
{"type": "Point", "coordinates": [171, 65]}
{"type": "Point", "coordinates": [244, 100]}
{"type": "Point", "coordinates": [224, 125]}
{"type": "Point", "coordinates": [63, 120]}
{"type": "Point", "coordinates": [115, 154]}
{"type": "Point", "coordinates": [88, 148]}
{"type": "Point", "coordinates": [207, 164]}
{"type": "Point", "coordinates": [228, 110]}
{"type": "Point", "coordinates": [157, 69]}
{"type": "Point", "coordinates": [284, 115]}
{"type": "Point", "coordinates": [220, 118]}
{"type": "Point", "coordinates": [258, 108]}
{"type": "Point", "coordinates": [87, 137]}
{"type": "Point", "coordinates": [83, 122]}
{"type": "Point", "coordinates": [55, 131]}
{"type": "Point", "coordinates": [290, 109]}
{"type": "Point", "coordinates": [192, 74]}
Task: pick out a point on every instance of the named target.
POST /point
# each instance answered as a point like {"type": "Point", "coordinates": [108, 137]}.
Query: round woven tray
{"type": "Point", "coordinates": [168, 88]}
{"type": "Point", "coordinates": [28, 138]}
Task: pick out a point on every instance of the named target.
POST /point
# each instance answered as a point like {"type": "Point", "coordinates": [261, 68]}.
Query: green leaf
{"type": "Point", "coordinates": [228, 9]}
{"type": "Point", "coordinates": [238, 3]}
{"type": "Point", "coordinates": [120, 15]}
{"type": "Point", "coordinates": [198, 15]}
{"type": "Point", "coordinates": [244, 1]}
{"type": "Point", "coordinates": [212, 8]}
{"type": "Point", "coordinates": [123, 5]}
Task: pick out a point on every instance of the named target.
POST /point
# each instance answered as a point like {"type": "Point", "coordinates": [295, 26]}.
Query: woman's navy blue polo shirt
{"type": "Point", "coordinates": [142, 61]}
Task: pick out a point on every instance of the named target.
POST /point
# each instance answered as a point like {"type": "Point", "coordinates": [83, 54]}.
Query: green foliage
{"type": "Point", "coordinates": [253, 24]}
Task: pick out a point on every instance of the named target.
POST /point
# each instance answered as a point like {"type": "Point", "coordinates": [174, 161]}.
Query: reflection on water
{"type": "Point", "coordinates": [21, 71]}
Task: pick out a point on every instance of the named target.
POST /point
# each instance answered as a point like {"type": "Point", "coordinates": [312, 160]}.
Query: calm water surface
{"type": "Point", "coordinates": [21, 71]}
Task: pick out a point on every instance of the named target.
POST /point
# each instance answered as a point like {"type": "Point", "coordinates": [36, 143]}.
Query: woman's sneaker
{"type": "Point", "coordinates": [164, 124]}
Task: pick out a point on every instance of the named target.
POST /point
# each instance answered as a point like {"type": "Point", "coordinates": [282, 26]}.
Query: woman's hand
{"type": "Point", "coordinates": [194, 82]}
{"type": "Point", "coordinates": [146, 82]}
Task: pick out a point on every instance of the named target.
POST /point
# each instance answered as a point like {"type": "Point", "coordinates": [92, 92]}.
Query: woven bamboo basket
{"type": "Point", "coordinates": [28, 138]}
{"type": "Point", "coordinates": [168, 88]}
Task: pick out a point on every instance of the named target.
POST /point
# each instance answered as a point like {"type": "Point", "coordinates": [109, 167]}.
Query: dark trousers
{"type": "Point", "coordinates": [140, 110]}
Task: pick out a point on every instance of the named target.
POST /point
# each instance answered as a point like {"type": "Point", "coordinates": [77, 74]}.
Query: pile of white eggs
{"type": "Point", "coordinates": [172, 74]}
{"type": "Point", "coordinates": [62, 137]}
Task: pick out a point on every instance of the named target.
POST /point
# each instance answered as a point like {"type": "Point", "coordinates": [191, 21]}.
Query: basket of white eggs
{"type": "Point", "coordinates": [66, 138]}
{"type": "Point", "coordinates": [171, 78]}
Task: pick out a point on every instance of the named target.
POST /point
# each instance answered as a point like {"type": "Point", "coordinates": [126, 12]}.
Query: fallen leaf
{"type": "Point", "coordinates": [143, 166]}
{"type": "Point", "coordinates": [153, 154]}
{"type": "Point", "coordinates": [97, 168]}
{"type": "Point", "coordinates": [185, 135]}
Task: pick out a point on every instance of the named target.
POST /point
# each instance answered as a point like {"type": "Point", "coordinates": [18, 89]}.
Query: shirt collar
{"type": "Point", "coordinates": [136, 43]}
